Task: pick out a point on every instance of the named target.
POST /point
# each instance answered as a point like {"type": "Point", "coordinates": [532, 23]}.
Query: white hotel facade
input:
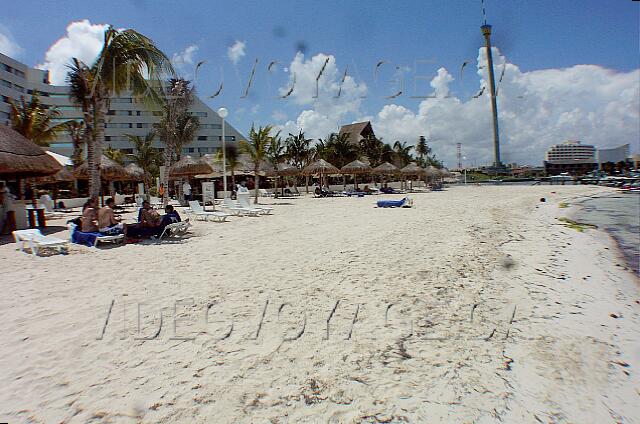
{"type": "Point", "coordinates": [125, 116]}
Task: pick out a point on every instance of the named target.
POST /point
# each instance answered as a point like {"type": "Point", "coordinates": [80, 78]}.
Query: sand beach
{"type": "Point", "coordinates": [477, 305]}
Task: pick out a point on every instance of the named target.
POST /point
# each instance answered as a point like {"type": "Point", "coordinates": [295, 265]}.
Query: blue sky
{"type": "Point", "coordinates": [414, 38]}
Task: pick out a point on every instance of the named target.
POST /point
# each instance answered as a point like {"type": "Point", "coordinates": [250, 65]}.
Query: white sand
{"type": "Point", "coordinates": [431, 357]}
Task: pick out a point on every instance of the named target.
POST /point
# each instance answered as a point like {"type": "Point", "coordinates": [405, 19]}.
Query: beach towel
{"type": "Point", "coordinates": [87, 239]}
{"type": "Point", "coordinates": [404, 203]}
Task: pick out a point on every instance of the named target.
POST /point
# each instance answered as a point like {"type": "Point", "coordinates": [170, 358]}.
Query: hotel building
{"type": "Point", "coordinates": [570, 156]}
{"type": "Point", "coordinates": [126, 114]}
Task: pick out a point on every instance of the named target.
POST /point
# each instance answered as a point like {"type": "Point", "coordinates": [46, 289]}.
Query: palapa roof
{"type": "Point", "coordinates": [431, 171]}
{"type": "Point", "coordinates": [109, 170]}
{"type": "Point", "coordinates": [357, 131]}
{"type": "Point", "coordinates": [21, 157]}
{"type": "Point", "coordinates": [355, 167]}
{"type": "Point", "coordinates": [412, 169]}
{"type": "Point", "coordinates": [189, 166]}
{"type": "Point", "coordinates": [134, 172]}
{"type": "Point", "coordinates": [320, 167]}
{"type": "Point", "coordinates": [62, 176]}
{"type": "Point", "coordinates": [385, 168]}
{"type": "Point", "coordinates": [283, 170]}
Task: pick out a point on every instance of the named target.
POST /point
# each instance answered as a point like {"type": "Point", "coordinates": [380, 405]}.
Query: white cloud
{"type": "Point", "coordinates": [536, 109]}
{"type": "Point", "coordinates": [83, 41]}
{"type": "Point", "coordinates": [328, 110]}
{"type": "Point", "coordinates": [183, 60]}
{"type": "Point", "coordinates": [278, 115]}
{"type": "Point", "coordinates": [236, 51]}
{"type": "Point", "coordinates": [185, 57]}
{"type": "Point", "coordinates": [8, 46]}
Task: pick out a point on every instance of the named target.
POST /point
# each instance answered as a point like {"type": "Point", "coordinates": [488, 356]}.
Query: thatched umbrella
{"type": "Point", "coordinates": [134, 172]}
{"type": "Point", "coordinates": [282, 170]}
{"type": "Point", "coordinates": [321, 167]}
{"type": "Point", "coordinates": [411, 170]}
{"type": "Point", "coordinates": [356, 167]}
{"type": "Point", "coordinates": [385, 169]}
{"type": "Point", "coordinates": [20, 158]}
{"type": "Point", "coordinates": [110, 170]}
{"type": "Point", "coordinates": [188, 166]}
{"type": "Point", "coordinates": [62, 176]}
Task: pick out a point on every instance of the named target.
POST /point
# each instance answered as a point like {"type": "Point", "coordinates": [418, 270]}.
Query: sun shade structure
{"type": "Point", "coordinates": [23, 158]}
{"type": "Point", "coordinates": [431, 171]}
{"type": "Point", "coordinates": [110, 170]}
{"type": "Point", "coordinates": [188, 166]}
{"type": "Point", "coordinates": [355, 167]}
{"type": "Point", "coordinates": [385, 168]}
{"type": "Point", "coordinates": [283, 170]}
{"type": "Point", "coordinates": [412, 169]}
{"type": "Point", "coordinates": [134, 172]}
{"type": "Point", "coordinates": [320, 167]}
{"type": "Point", "coordinates": [62, 176]}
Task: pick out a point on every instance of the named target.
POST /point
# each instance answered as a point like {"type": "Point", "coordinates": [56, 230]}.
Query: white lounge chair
{"type": "Point", "coordinates": [238, 210]}
{"type": "Point", "coordinates": [38, 242]}
{"type": "Point", "coordinates": [100, 239]}
{"type": "Point", "coordinates": [176, 229]}
{"type": "Point", "coordinates": [243, 201]}
{"type": "Point", "coordinates": [22, 237]}
{"type": "Point", "coordinates": [264, 193]}
{"type": "Point", "coordinates": [198, 211]}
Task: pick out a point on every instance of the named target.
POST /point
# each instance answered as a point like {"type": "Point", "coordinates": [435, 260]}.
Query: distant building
{"type": "Point", "coordinates": [615, 155]}
{"type": "Point", "coordinates": [572, 157]}
{"type": "Point", "coordinates": [126, 115]}
{"type": "Point", "coordinates": [357, 131]}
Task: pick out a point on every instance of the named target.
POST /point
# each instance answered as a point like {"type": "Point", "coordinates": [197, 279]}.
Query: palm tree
{"type": "Point", "coordinates": [257, 147]}
{"type": "Point", "coordinates": [146, 156]}
{"type": "Point", "coordinates": [75, 131]}
{"type": "Point", "coordinates": [177, 126]}
{"type": "Point", "coordinates": [115, 155]}
{"type": "Point", "coordinates": [402, 153]}
{"type": "Point", "coordinates": [233, 160]}
{"type": "Point", "coordinates": [341, 150]}
{"type": "Point", "coordinates": [372, 148]}
{"type": "Point", "coordinates": [80, 81]}
{"type": "Point", "coordinates": [35, 121]}
{"type": "Point", "coordinates": [422, 150]}
{"type": "Point", "coordinates": [275, 153]}
{"type": "Point", "coordinates": [125, 59]}
{"type": "Point", "coordinates": [297, 149]}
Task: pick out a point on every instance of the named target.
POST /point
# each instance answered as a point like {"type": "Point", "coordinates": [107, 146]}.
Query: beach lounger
{"type": "Point", "coordinates": [198, 211]}
{"type": "Point", "coordinates": [176, 229]}
{"type": "Point", "coordinates": [243, 202]}
{"type": "Point", "coordinates": [407, 202]}
{"type": "Point", "coordinates": [22, 237]}
{"type": "Point", "coordinates": [91, 239]}
{"type": "Point", "coordinates": [264, 193]}
{"type": "Point", "coordinates": [38, 242]}
{"type": "Point", "coordinates": [235, 209]}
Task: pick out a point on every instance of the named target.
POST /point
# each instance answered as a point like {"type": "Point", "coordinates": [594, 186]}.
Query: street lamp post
{"type": "Point", "coordinates": [223, 112]}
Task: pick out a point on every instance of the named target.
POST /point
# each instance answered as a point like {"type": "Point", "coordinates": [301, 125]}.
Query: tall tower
{"type": "Point", "coordinates": [486, 32]}
{"type": "Point", "coordinates": [459, 155]}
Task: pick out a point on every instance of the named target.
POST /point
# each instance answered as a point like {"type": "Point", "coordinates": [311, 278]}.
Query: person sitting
{"type": "Point", "coordinates": [107, 222]}
{"type": "Point", "coordinates": [89, 220]}
{"type": "Point", "coordinates": [170, 216]}
{"type": "Point", "coordinates": [148, 216]}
